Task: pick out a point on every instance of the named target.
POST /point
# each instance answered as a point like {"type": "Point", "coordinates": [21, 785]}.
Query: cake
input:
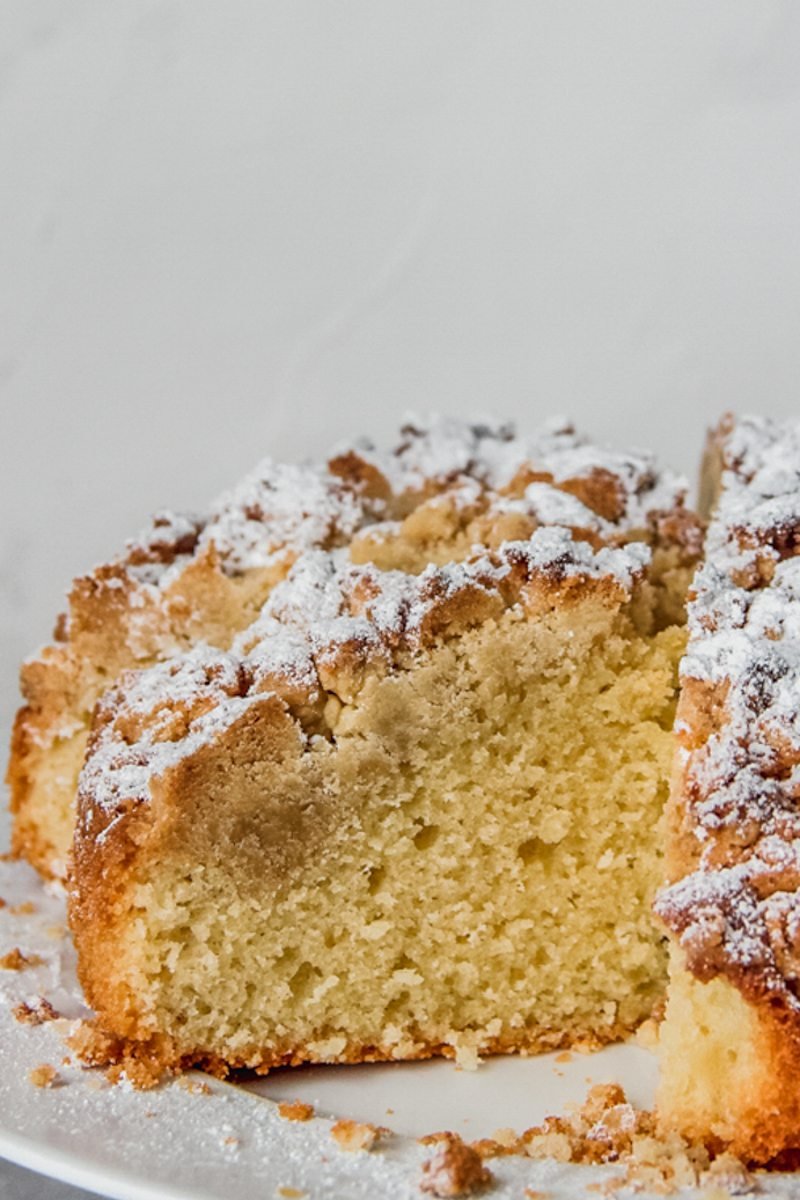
{"type": "Point", "coordinates": [401, 727]}
{"type": "Point", "coordinates": [730, 1043]}
{"type": "Point", "coordinates": [380, 760]}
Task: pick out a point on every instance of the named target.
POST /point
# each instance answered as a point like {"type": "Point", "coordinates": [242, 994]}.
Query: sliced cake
{"type": "Point", "coordinates": [415, 806]}
{"type": "Point", "coordinates": [731, 1039]}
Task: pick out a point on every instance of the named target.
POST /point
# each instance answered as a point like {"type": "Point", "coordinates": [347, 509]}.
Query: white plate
{"type": "Point", "coordinates": [231, 1141]}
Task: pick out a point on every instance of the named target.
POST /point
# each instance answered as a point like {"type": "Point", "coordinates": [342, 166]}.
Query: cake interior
{"type": "Point", "coordinates": [472, 869]}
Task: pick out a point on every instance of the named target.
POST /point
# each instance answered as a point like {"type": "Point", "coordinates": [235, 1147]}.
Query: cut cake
{"type": "Point", "coordinates": [390, 779]}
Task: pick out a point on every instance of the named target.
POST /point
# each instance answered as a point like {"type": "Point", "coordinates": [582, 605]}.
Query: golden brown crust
{"type": "Point", "coordinates": [148, 1059]}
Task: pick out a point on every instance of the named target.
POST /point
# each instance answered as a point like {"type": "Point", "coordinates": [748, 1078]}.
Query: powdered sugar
{"type": "Point", "coordinates": [281, 507]}
{"type": "Point", "coordinates": [302, 519]}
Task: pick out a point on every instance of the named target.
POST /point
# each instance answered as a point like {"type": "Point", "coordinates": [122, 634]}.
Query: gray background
{"type": "Point", "coordinates": [230, 229]}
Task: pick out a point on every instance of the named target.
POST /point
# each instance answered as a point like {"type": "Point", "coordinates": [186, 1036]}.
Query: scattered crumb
{"type": "Point", "coordinates": [231, 1140]}
{"type": "Point", "coordinates": [647, 1034]}
{"type": "Point", "coordinates": [7, 856]}
{"type": "Point", "coordinates": [43, 1076]}
{"type": "Point", "coordinates": [390, 1112]}
{"type": "Point", "coordinates": [454, 1168]}
{"type": "Point", "coordinates": [608, 1129]}
{"type": "Point", "coordinates": [15, 960]}
{"type": "Point", "coordinates": [532, 1194]}
{"type": "Point", "coordinates": [22, 910]}
{"type": "Point", "coordinates": [56, 931]}
{"type": "Point", "coordinates": [290, 1193]}
{"type": "Point", "coordinates": [357, 1135]}
{"type": "Point", "coordinates": [2, 902]}
{"type": "Point", "coordinates": [197, 1087]}
{"type": "Point", "coordinates": [295, 1110]}
{"type": "Point", "coordinates": [489, 1148]}
{"type": "Point", "coordinates": [564, 1057]}
{"type": "Point", "coordinates": [35, 1014]}
{"type": "Point", "coordinates": [467, 1058]}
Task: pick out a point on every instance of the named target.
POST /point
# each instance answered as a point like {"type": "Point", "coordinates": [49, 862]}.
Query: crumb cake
{"type": "Point", "coordinates": [373, 759]}
{"type": "Point", "coordinates": [730, 1043]}
{"type": "Point", "coordinates": [381, 760]}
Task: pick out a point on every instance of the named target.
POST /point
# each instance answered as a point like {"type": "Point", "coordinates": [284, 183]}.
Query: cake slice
{"type": "Point", "coordinates": [414, 807]}
{"type": "Point", "coordinates": [731, 1039]}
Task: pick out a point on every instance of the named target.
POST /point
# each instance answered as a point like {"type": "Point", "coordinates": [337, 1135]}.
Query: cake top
{"type": "Point", "coordinates": [369, 559]}
{"type": "Point", "coordinates": [738, 912]}
{"type": "Point", "coordinates": [280, 511]}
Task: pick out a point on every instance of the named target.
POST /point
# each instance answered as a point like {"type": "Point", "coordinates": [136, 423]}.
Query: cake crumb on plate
{"type": "Point", "coordinates": [454, 1169]}
{"type": "Point", "coordinates": [15, 960]}
{"type": "Point", "coordinates": [357, 1135]}
{"type": "Point", "coordinates": [295, 1110]}
{"type": "Point", "coordinates": [43, 1076]}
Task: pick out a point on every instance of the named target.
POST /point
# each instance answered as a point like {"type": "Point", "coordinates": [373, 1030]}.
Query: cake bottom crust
{"type": "Point", "coordinates": [144, 1063]}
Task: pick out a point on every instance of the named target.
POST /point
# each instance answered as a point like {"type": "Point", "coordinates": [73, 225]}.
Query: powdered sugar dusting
{"type": "Point", "coordinates": [324, 608]}
{"type": "Point", "coordinates": [281, 507]}
{"type": "Point", "coordinates": [738, 913]}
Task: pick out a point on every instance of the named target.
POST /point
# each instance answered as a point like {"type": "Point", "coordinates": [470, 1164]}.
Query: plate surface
{"type": "Point", "coordinates": [198, 1138]}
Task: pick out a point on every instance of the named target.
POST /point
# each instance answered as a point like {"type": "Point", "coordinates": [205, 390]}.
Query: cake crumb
{"type": "Point", "coordinates": [22, 910]}
{"type": "Point", "coordinates": [56, 932]}
{"type": "Point", "coordinates": [291, 1193]}
{"type": "Point", "coordinates": [608, 1129]}
{"type": "Point", "coordinates": [647, 1034]}
{"type": "Point", "coordinates": [454, 1169]}
{"type": "Point", "coordinates": [43, 1076]}
{"type": "Point", "coordinates": [532, 1194]}
{"type": "Point", "coordinates": [2, 902]}
{"type": "Point", "coordinates": [37, 1013]}
{"type": "Point", "coordinates": [357, 1135]}
{"type": "Point", "coordinates": [564, 1057]}
{"type": "Point", "coordinates": [489, 1148]}
{"type": "Point", "coordinates": [295, 1110]}
{"type": "Point", "coordinates": [15, 960]}
{"type": "Point", "coordinates": [196, 1087]}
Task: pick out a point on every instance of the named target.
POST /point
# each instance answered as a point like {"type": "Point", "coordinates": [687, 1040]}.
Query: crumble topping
{"type": "Point", "coordinates": [550, 513]}
{"type": "Point", "coordinates": [282, 511]}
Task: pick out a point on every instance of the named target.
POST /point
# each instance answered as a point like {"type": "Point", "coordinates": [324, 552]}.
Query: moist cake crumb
{"type": "Point", "coordinates": [454, 1169]}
